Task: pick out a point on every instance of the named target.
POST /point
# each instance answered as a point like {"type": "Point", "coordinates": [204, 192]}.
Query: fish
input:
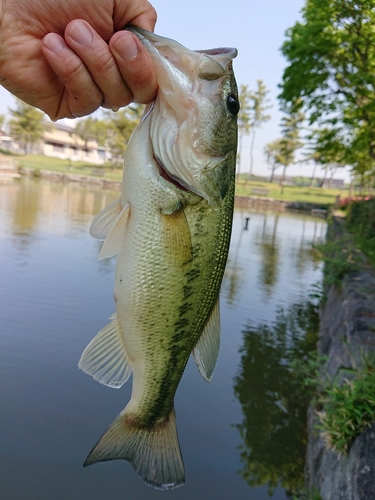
{"type": "Point", "coordinates": [170, 231]}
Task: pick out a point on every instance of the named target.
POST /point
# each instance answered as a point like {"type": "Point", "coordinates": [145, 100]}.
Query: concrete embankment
{"type": "Point", "coordinates": [347, 333]}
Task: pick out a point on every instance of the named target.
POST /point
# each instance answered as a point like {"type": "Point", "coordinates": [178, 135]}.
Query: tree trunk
{"type": "Point", "coordinates": [272, 173]}
{"type": "Point", "coordinates": [313, 175]}
{"type": "Point", "coordinates": [283, 179]}
{"type": "Point", "coordinates": [251, 155]}
{"type": "Point", "coordinates": [324, 178]}
{"type": "Point", "coordinates": [240, 136]}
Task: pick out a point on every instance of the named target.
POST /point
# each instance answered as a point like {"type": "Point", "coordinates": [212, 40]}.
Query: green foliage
{"type": "Point", "coordinates": [312, 495]}
{"type": "Point", "coordinates": [27, 125]}
{"type": "Point", "coordinates": [340, 258]}
{"type": "Point", "coordinates": [331, 58]}
{"type": "Point", "coordinates": [2, 121]}
{"type": "Point", "coordinates": [290, 139]}
{"type": "Point", "coordinates": [120, 128]}
{"type": "Point", "coordinates": [274, 156]}
{"type": "Point", "coordinates": [360, 220]}
{"type": "Point", "coordinates": [92, 129]}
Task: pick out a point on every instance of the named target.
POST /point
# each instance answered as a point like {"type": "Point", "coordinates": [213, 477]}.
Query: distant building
{"type": "Point", "coordinates": [288, 180]}
{"type": "Point", "coordinates": [5, 141]}
{"type": "Point", "coordinates": [61, 141]}
{"type": "Point", "coordinates": [333, 183]}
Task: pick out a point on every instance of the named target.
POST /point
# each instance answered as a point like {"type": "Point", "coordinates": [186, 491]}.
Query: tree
{"type": "Point", "coordinates": [328, 150]}
{"type": "Point", "coordinates": [331, 58]}
{"type": "Point", "coordinates": [243, 120]}
{"type": "Point", "coordinates": [92, 129]}
{"type": "Point", "coordinates": [26, 126]}
{"type": "Point", "coordinates": [258, 116]}
{"type": "Point", "coordinates": [290, 140]}
{"type": "Point", "coordinates": [274, 157]}
{"type": "Point", "coordinates": [120, 127]}
{"type": "Point", "coordinates": [2, 121]}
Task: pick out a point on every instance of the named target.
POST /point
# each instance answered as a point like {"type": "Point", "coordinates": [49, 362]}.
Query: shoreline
{"type": "Point", "coordinates": [253, 202]}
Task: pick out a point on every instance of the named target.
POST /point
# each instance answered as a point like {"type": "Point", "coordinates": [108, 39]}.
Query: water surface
{"type": "Point", "coordinates": [55, 296]}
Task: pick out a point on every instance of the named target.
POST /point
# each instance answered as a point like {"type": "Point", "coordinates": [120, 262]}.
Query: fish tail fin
{"type": "Point", "coordinates": [154, 453]}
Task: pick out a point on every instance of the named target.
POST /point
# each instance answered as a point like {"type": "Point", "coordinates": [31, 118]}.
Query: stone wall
{"type": "Point", "coordinates": [347, 330]}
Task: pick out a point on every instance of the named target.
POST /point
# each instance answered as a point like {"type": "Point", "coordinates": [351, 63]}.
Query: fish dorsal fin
{"type": "Point", "coordinates": [207, 349]}
{"type": "Point", "coordinates": [116, 234]}
{"type": "Point", "coordinates": [105, 357]}
{"type": "Point", "coordinates": [103, 221]}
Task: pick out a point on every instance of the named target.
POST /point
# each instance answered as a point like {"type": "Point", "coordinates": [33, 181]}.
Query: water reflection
{"type": "Point", "coordinates": [274, 403]}
{"type": "Point", "coordinates": [270, 254]}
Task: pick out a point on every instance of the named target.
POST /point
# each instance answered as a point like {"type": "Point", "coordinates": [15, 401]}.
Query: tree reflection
{"type": "Point", "coordinates": [273, 400]}
{"type": "Point", "coordinates": [25, 209]}
{"type": "Point", "coordinates": [270, 255]}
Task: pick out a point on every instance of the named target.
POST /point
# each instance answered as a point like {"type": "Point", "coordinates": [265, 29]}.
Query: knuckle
{"type": "Point", "coordinates": [73, 69]}
{"type": "Point", "coordinates": [103, 63]}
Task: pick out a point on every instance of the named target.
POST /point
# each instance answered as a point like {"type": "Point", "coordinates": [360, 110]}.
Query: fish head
{"type": "Point", "coordinates": [193, 127]}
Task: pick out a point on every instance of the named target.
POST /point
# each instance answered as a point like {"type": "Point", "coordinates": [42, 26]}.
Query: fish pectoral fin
{"type": "Point", "coordinates": [105, 357]}
{"type": "Point", "coordinates": [154, 453]}
{"type": "Point", "coordinates": [207, 349]}
{"type": "Point", "coordinates": [116, 234]}
{"type": "Point", "coordinates": [103, 221]}
{"type": "Point", "coordinates": [177, 237]}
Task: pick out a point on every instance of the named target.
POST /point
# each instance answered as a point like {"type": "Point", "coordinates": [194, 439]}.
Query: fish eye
{"type": "Point", "coordinates": [233, 105]}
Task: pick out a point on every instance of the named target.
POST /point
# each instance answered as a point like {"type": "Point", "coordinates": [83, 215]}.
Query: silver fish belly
{"type": "Point", "coordinates": [170, 231]}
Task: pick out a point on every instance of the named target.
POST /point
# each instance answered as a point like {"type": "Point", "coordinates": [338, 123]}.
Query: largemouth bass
{"type": "Point", "coordinates": [170, 231]}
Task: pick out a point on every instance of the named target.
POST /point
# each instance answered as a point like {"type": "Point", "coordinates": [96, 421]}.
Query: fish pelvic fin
{"type": "Point", "coordinates": [116, 234]}
{"type": "Point", "coordinates": [104, 220]}
{"type": "Point", "coordinates": [154, 453]}
{"type": "Point", "coordinates": [105, 357]}
{"type": "Point", "coordinates": [207, 349]}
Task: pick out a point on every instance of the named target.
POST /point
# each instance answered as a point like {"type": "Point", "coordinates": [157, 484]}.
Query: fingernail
{"type": "Point", "coordinates": [126, 47]}
{"type": "Point", "coordinates": [80, 33]}
{"type": "Point", "coordinates": [54, 42]}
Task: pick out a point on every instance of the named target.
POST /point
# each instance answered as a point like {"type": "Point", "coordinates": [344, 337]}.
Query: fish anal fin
{"type": "Point", "coordinates": [103, 221]}
{"type": "Point", "coordinates": [177, 237]}
{"type": "Point", "coordinates": [154, 453]}
{"type": "Point", "coordinates": [207, 349]}
{"type": "Point", "coordinates": [105, 358]}
{"type": "Point", "coordinates": [116, 234]}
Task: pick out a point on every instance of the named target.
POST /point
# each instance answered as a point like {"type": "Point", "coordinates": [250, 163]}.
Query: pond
{"type": "Point", "coordinates": [241, 436]}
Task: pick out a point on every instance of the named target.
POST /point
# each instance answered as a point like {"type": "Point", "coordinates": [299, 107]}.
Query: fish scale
{"type": "Point", "coordinates": [170, 231]}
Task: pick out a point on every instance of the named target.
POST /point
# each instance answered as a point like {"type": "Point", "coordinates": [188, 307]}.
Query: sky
{"type": "Point", "coordinates": [257, 30]}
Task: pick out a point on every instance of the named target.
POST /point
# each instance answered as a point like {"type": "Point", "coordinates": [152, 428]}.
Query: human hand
{"type": "Point", "coordinates": [67, 57]}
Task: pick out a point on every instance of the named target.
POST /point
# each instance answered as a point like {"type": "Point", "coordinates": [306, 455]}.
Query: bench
{"type": "Point", "coordinates": [260, 191]}
{"type": "Point", "coordinates": [98, 172]}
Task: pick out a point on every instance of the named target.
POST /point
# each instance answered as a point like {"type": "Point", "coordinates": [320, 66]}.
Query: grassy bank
{"type": "Point", "coordinates": [290, 193]}
{"type": "Point", "coordinates": [262, 189]}
{"type": "Point", "coordinates": [41, 162]}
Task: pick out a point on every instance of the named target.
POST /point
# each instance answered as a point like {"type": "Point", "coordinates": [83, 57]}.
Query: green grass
{"type": "Point", "coordinates": [348, 409]}
{"type": "Point", "coordinates": [41, 162]}
{"type": "Point", "coordinates": [291, 193]}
